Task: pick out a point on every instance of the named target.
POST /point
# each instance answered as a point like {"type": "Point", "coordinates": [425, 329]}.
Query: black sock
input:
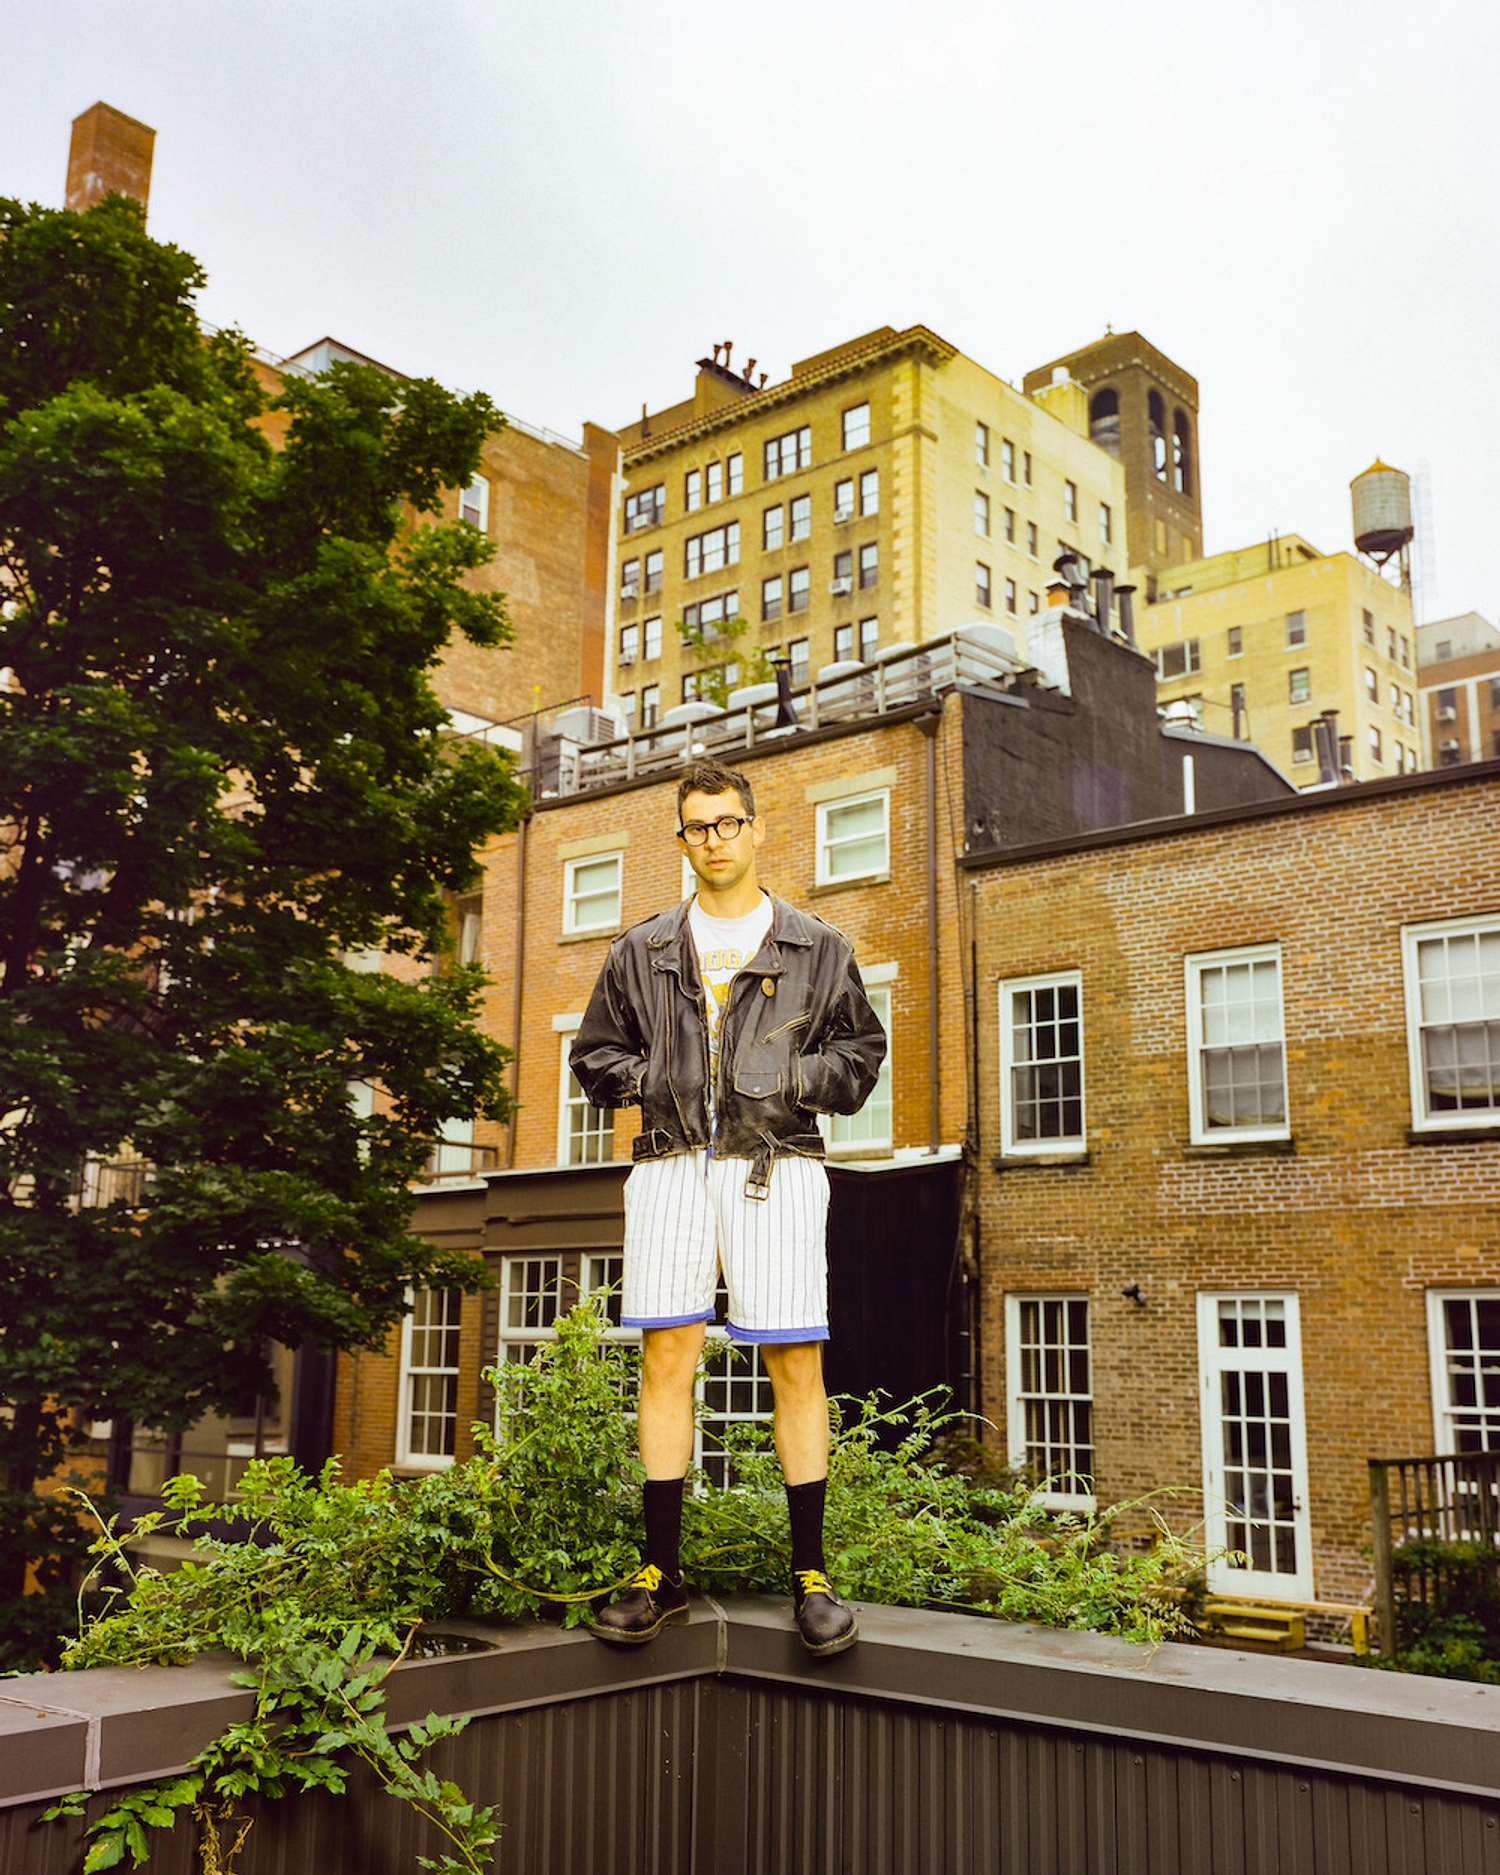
{"type": "Point", "coordinates": [804, 1504]}
{"type": "Point", "coordinates": [663, 1500]}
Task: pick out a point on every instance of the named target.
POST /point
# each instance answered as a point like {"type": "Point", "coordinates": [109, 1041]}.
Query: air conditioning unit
{"type": "Point", "coordinates": [630, 590]}
{"type": "Point", "coordinates": [837, 586]}
{"type": "Point", "coordinates": [843, 514]}
{"type": "Point", "coordinates": [1448, 713]}
{"type": "Point", "coordinates": [627, 658]}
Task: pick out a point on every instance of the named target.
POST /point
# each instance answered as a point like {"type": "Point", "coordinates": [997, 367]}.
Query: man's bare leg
{"type": "Point", "coordinates": [664, 1435]}
{"type": "Point", "coordinates": [664, 1426]}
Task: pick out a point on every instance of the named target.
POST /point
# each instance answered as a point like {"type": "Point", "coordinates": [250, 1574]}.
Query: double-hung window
{"type": "Point", "coordinates": [585, 1133]}
{"type": "Point", "coordinates": [869, 491]}
{"type": "Point", "coordinates": [1236, 1050]}
{"type": "Point", "coordinates": [474, 503]}
{"type": "Point", "coordinates": [591, 893]}
{"type": "Point", "coordinates": [785, 455]}
{"type": "Point", "coordinates": [856, 426]}
{"type": "Point", "coordinates": [710, 552]}
{"type": "Point", "coordinates": [854, 837]}
{"type": "Point", "coordinates": [1453, 1022]}
{"type": "Point", "coordinates": [1050, 1399]}
{"type": "Point", "coordinates": [773, 527]}
{"type": "Point", "coordinates": [869, 1130]}
{"type": "Point", "coordinates": [1463, 1338]}
{"type": "Point", "coordinates": [428, 1427]}
{"type": "Point", "coordinates": [645, 507]}
{"type": "Point", "coordinates": [1041, 1064]}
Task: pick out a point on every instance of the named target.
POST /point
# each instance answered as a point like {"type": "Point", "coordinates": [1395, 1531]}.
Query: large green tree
{"type": "Point", "coordinates": [222, 770]}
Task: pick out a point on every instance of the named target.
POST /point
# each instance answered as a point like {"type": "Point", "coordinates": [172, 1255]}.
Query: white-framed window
{"type": "Point", "coordinates": [869, 491]}
{"type": "Point", "coordinates": [733, 1385]}
{"type": "Point", "coordinates": [1452, 971]}
{"type": "Point", "coordinates": [982, 513]}
{"type": "Point", "coordinates": [982, 445]}
{"type": "Point", "coordinates": [713, 482]}
{"type": "Point", "coordinates": [1255, 1444]}
{"type": "Point", "coordinates": [474, 503]}
{"type": "Point", "coordinates": [708, 553]}
{"type": "Point", "coordinates": [1299, 685]}
{"type": "Point", "coordinates": [1007, 459]}
{"type": "Point", "coordinates": [1010, 595]}
{"type": "Point", "coordinates": [1372, 685]}
{"type": "Point", "coordinates": [1463, 1340]}
{"type": "Point", "coordinates": [650, 703]}
{"type": "Point", "coordinates": [798, 589]}
{"type": "Point", "coordinates": [427, 1427]}
{"type": "Point", "coordinates": [799, 517]}
{"type": "Point", "coordinates": [854, 839]}
{"type": "Point", "coordinates": [773, 527]}
{"type": "Point", "coordinates": [651, 637]}
{"type": "Point", "coordinates": [1106, 524]}
{"type": "Point", "coordinates": [591, 892]}
{"type": "Point", "coordinates": [856, 426]}
{"type": "Point", "coordinates": [1010, 527]}
{"type": "Point", "coordinates": [869, 564]}
{"type": "Point", "coordinates": [982, 585]}
{"type": "Point", "coordinates": [1049, 1395]}
{"type": "Point", "coordinates": [869, 638]}
{"type": "Point", "coordinates": [770, 597]}
{"type": "Point", "coordinates": [786, 454]}
{"type": "Point", "coordinates": [1296, 630]}
{"type": "Point", "coordinates": [630, 643]}
{"type": "Point", "coordinates": [797, 649]}
{"type": "Point", "coordinates": [850, 1135]}
{"type": "Point", "coordinates": [585, 1133]}
{"type": "Point", "coordinates": [630, 579]}
{"type": "Point", "coordinates": [734, 475]}
{"type": "Point", "coordinates": [843, 499]}
{"type": "Point", "coordinates": [692, 491]}
{"type": "Point", "coordinates": [1033, 540]}
{"type": "Point", "coordinates": [654, 570]}
{"type": "Point", "coordinates": [1236, 1049]}
{"type": "Point", "coordinates": [1041, 1064]}
{"type": "Point", "coordinates": [1234, 645]}
{"type": "Point", "coordinates": [1181, 659]}
{"type": "Point", "coordinates": [1070, 501]}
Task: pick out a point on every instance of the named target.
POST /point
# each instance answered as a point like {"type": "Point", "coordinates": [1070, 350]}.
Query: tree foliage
{"type": "Point", "coordinates": [223, 769]}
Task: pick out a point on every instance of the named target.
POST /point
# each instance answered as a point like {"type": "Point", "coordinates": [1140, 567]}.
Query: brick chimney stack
{"type": "Point", "coordinates": [110, 153]}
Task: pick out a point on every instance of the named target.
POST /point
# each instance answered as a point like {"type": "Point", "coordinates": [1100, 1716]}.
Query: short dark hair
{"type": "Point", "coordinates": [715, 778]}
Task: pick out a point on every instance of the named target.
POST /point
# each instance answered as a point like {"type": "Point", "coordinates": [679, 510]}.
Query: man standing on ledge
{"type": "Point", "coordinates": [733, 1020]}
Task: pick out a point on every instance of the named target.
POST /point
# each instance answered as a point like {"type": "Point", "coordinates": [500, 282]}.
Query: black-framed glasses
{"type": "Point", "coordinates": [727, 826]}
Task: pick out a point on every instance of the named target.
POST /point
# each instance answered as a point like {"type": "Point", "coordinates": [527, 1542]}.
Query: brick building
{"type": "Point", "coordinates": [1458, 677]}
{"type": "Point", "coordinates": [1263, 642]}
{"type": "Point", "coordinates": [887, 491]}
{"type": "Point", "coordinates": [1238, 1184]}
{"type": "Point", "coordinates": [868, 802]}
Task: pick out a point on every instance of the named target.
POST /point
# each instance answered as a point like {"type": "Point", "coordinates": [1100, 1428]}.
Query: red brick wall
{"type": "Point", "coordinates": [1357, 1220]}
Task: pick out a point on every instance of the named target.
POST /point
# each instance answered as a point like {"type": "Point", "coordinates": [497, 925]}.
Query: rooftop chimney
{"type": "Point", "coordinates": [110, 154]}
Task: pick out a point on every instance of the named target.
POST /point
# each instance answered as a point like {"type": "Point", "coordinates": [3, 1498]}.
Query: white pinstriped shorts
{"type": "Point", "coordinates": [687, 1217]}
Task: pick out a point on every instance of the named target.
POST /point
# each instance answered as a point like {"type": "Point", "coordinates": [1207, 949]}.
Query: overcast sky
{"type": "Point", "coordinates": [566, 206]}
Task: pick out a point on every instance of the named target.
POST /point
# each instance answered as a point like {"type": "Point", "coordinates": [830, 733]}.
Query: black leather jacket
{"type": "Point", "coordinates": [798, 1038]}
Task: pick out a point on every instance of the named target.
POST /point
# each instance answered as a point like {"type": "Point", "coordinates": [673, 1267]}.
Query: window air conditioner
{"type": "Point", "coordinates": [843, 514]}
{"type": "Point", "coordinates": [630, 590]}
{"type": "Point", "coordinates": [1448, 714]}
{"type": "Point", "coordinates": [837, 586]}
{"type": "Point", "coordinates": [627, 657]}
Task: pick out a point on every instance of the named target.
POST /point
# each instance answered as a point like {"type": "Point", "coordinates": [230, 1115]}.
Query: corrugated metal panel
{"type": "Point", "coordinates": [733, 1775]}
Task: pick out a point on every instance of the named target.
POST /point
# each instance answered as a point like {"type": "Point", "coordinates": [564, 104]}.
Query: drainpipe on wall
{"type": "Point", "coordinates": [929, 726]}
{"type": "Point", "coordinates": [517, 974]}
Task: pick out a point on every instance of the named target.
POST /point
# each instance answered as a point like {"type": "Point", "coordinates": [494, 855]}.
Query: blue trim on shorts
{"type": "Point", "coordinates": [665, 1321]}
{"type": "Point", "coordinates": [758, 1336]}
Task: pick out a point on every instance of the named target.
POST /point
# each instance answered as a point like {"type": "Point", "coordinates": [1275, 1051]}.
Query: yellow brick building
{"type": "Point", "coordinates": [886, 492]}
{"type": "Point", "coordinates": [1260, 642]}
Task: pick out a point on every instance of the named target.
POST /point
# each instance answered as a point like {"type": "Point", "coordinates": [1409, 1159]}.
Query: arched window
{"type": "Point", "coordinates": [1156, 416]}
{"type": "Point", "coordinates": [1104, 420]}
{"type": "Point", "coordinates": [1182, 454]}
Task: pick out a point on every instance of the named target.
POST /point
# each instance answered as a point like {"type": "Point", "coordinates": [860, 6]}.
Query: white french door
{"type": "Point", "coordinates": [1255, 1444]}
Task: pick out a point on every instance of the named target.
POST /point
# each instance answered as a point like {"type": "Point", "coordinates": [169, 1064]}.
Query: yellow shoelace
{"type": "Point", "coordinates": [813, 1582]}
{"type": "Point", "coordinates": [648, 1576]}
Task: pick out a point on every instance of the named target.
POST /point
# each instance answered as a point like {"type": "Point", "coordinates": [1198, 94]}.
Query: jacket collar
{"type": "Point", "coordinates": [666, 935]}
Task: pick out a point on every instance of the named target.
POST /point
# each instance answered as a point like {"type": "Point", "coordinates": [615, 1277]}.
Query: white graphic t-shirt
{"type": "Point", "coordinates": [724, 947]}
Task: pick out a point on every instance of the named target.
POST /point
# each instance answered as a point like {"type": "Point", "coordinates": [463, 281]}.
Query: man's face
{"type": "Point", "coordinates": [718, 862]}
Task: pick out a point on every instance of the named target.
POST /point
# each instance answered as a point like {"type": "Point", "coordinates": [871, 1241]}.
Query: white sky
{"type": "Point", "coordinates": [566, 206]}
